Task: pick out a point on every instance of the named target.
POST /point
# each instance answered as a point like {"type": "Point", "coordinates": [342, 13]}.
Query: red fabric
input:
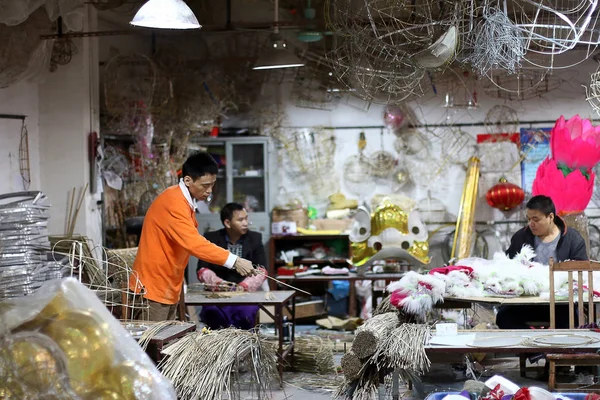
{"type": "Point", "coordinates": [499, 137]}
{"type": "Point", "coordinates": [397, 296]}
{"type": "Point", "coordinates": [447, 270]}
{"type": "Point", "coordinates": [522, 394]}
{"type": "Point", "coordinates": [592, 396]}
{"type": "Point", "coordinates": [494, 394]}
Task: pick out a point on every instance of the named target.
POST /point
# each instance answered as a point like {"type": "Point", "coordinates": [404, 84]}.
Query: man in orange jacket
{"type": "Point", "coordinates": [170, 235]}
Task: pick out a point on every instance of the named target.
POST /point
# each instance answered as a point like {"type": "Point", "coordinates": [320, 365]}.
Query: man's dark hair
{"type": "Point", "coordinates": [228, 210]}
{"type": "Point", "coordinates": [543, 204]}
{"type": "Point", "coordinates": [198, 165]}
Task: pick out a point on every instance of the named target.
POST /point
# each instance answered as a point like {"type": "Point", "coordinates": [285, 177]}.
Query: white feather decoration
{"type": "Point", "coordinates": [500, 275]}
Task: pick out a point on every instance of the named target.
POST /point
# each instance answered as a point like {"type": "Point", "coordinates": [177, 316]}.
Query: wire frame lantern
{"type": "Point", "coordinates": [387, 46]}
{"type": "Point", "coordinates": [376, 72]}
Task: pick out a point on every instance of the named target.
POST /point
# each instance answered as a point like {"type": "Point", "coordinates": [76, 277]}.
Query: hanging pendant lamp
{"type": "Point", "coordinates": [166, 14]}
{"type": "Point", "coordinates": [277, 56]}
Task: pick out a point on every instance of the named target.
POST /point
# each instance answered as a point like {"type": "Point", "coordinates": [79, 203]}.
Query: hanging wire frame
{"type": "Point", "coordinates": [501, 119]}
{"type": "Point", "coordinates": [358, 172]}
{"type": "Point", "coordinates": [314, 85]}
{"type": "Point", "coordinates": [497, 43]}
{"type": "Point", "coordinates": [376, 73]}
{"type": "Point", "coordinates": [383, 45]}
{"type": "Point", "coordinates": [553, 29]}
{"type": "Point", "coordinates": [24, 166]}
{"type": "Point", "coordinates": [525, 84]}
{"type": "Point", "coordinates": [592, 93]}
{"type": "Point", "coordinates": [411, 142]}
{"type": "Point", "coordinates": [556, 27]}
{"type": "Point", "coordinates": [308, 155]}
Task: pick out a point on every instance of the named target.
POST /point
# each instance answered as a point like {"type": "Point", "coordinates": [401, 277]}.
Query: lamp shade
{"type": "Point", "coordinates": [166, 14]}
{"type": "Point", "coordinates": [278, 57]}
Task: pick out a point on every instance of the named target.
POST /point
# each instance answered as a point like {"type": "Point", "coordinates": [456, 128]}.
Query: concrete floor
{"type": "Point", "coordinates": [445, 375]}
{"type": "Point", "coordinates": [442, 377]}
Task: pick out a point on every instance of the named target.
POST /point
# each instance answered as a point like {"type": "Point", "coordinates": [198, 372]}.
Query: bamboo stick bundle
{"type": "Point", "coordinates": [206, 365]}
{"type": "Point", "coordinates": [404, 348]}
{"type": "Point", "coordinates": [372, 332]}
{"type": "Point", "coordinates": [351, 366]}
{"type": "Point", "coordinates": [313, 354]}
{"type": "Point", "coordinates": [384, 307]}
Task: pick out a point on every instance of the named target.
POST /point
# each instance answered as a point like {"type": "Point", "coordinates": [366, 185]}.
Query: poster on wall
{"type": "Point", "coordinates": [535, 146]}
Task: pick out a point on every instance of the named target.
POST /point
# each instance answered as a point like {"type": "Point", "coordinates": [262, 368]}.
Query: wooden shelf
{"type": "Point", "coordinates": [308, 238]}
{"type": "Point", "coordinates": [315, 261]}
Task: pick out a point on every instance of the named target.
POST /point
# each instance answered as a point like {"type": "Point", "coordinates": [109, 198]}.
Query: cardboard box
{"type": "Point", "coordinates": [284, 228]}
{"type": "Point", "coordinates": [297, 215]}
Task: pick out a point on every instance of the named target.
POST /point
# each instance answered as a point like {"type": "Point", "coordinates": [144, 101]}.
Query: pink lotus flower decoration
{"type": "Point", "coordinates": [575, 143]}
{"type": "Point", "coordinates": [570, 193]}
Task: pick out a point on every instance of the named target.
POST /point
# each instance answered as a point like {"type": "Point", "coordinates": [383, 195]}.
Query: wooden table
{"type": "Point", "coordinates": [465, 302]}
{"type": "Point", "coordinates": [281, 299]}
{"type": "Point", "coordinates": [165, 336]}
{"type": "Point", "coordinates": [507, 341]}
{"type": "Point", "coordinates": [352, 277]}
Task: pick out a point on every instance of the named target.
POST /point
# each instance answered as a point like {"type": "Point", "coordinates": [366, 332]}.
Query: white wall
{"type": "Point", "coordinates": [68, 113]}
{"type": "Point", "coordinates": [21, 99]}
{"type": "Point", "coordinates": [569, 99]}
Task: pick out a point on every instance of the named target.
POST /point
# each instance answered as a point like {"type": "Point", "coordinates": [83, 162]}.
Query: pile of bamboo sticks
{"type": "Point", "coordinates": [385, 343]}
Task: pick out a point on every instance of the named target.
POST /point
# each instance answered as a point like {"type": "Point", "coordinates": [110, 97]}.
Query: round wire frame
{"type": "Point", "coordinates": [376, 72]}
{"type": "Point", "coordinates": [501, 119]}
{"type": "Point", "coordinates": [555, 28]}
{"type": "Point", "coordinates": [561, 340]}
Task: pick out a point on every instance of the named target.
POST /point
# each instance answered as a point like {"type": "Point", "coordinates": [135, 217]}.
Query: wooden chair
{"type": "Point", "coordinates": [580, 359]}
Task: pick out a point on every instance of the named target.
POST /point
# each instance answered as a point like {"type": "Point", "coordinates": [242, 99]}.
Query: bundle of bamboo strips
{"type": "Point", "coordinates": [313, 354]}
{"type": "Point", "coordinates": [205, 365]}
{"type": "Point", "coordinates": [384, 307]}
{"type": "Point", "coordinates": [403, 350]}
{"type": "Point", "coordinates": [73, 211]}
{"type": "Point", "coordinates": [372, 332]}
{"type": "Point", "coordinates": [351, 365]}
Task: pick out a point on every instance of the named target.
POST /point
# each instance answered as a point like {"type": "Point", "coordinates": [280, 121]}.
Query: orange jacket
{"type": "Point", "coordinates": [169, 236]}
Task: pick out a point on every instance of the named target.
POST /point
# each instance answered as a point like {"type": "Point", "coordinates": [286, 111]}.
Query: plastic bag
{"type": "Point", "coordinates": [70, 326]}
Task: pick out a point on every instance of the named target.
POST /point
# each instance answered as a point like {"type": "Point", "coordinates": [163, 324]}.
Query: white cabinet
{"type": "Point", "coordinates": [243, 178]}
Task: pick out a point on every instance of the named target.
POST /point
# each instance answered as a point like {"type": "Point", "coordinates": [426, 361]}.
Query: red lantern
{"type": "Point", "coordinates": [505, 195]}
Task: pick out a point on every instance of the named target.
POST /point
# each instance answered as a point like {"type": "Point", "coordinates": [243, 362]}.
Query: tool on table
{"type": "Point", "coordinates": [256, 266]}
